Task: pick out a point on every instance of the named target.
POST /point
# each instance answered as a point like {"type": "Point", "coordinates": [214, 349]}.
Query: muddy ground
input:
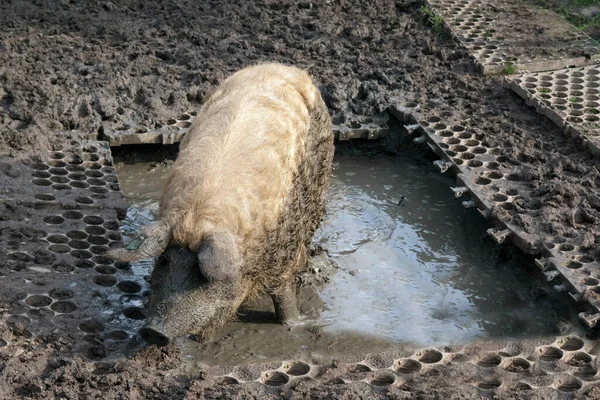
{"type": "Point", "coordinates": [95, 66]}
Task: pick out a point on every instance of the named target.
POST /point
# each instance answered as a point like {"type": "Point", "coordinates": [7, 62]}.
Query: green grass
{"type": "Point", "coordinates": [435, 20]}
{"type": "Point", "coordinates": [582, 3]}
{"type": "Point", "coordinates": [544, 90]}
{"type": "Point", "coordinates": [582, 23]}
{"type": "Point", "coordinates": [568, 12]}
{"type": "Point", "coordinates": [438, 24]}
{"type": "Point", "coordinates": [427, 12]}
{"type": "Point", "coordinates": [510, 68]}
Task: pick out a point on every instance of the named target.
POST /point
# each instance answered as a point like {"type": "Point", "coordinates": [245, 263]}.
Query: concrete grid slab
{"type": "Point", "coordinates": [174, 130]}
{"type": "Point", "coordinates": [569, 97]}
{"type": "Point", "coordinates": [492, 186]}
{"type": "Point", "coordinates": [54, 278]}
{"type": "Point", "coordinates": [76, 175]}
{"type": "Point", "coordinates": [499, 32]}
{"type": "Point", "coordinates": [549, 367]}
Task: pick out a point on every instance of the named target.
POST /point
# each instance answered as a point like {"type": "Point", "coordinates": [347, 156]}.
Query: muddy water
{"type": "Point", "coordinates": [413, 267]}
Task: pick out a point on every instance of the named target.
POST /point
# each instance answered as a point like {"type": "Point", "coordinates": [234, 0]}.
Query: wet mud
{"type": "Point", "coordinates": [404, 265]}
{"type": "Point", "coordinates": [80, 67]}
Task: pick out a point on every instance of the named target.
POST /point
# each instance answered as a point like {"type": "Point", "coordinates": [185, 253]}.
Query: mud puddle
{"type": "Point", "coordinates": [412, 267]}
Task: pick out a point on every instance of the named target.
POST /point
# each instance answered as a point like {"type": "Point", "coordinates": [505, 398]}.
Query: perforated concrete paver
{"type": "Point", "coordinates": [532, 39]}
{"type": "Point", "coordinates": [76, 175]}
{"type": "Point", "coordinates": [569, 97]}
{"type": "Point", "coordinates": [174, 130]}
{"type": "Point", "coordinates": [54, 275]}
{"type": "Point", "coordinates": [565, 365]}
{"type": "Point", "coordinates": [493, 186]}
{"type": "Point", "coordinates": [169, 132]}
{"type": "Point", "coordinates": [360, 131]}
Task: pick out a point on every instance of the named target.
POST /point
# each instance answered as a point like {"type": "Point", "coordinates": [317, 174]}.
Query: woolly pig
{"type": "Point", "coordinates": [238, 213]}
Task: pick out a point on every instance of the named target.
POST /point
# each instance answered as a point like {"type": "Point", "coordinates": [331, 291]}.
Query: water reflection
{"type": "Point", "coordinates": [421, 272]}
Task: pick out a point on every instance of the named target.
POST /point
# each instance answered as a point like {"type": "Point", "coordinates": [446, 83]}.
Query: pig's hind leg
{"type": "Point", "coordinates": [284, 295]}
{"type": "Point", "coordinates": [286, 310]}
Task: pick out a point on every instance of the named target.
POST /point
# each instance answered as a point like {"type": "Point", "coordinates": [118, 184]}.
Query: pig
{"type": "Point", "coordinates": [239, 210]}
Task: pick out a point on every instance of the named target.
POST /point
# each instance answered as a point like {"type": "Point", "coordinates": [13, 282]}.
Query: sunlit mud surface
{"type": "Point", "coordinates": [413, 268]}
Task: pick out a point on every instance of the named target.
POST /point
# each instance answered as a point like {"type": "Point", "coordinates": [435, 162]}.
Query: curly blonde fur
{"type": "Point", "coordinates": [237, 163]}
{"type": "Point", "coordinates": [245, 196]}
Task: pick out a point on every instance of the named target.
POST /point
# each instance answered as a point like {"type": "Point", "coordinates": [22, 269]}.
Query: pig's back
{"type": "Point", "coordinates": [238, 162]}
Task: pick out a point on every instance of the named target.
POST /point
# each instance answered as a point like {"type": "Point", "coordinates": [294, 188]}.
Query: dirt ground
{"type": "Point", "coordinates": [96, 66]}
{"type": "Point", "coordinates": [584, 14]}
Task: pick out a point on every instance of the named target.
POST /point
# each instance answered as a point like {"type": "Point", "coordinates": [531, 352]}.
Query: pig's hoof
{"type": "Point", "coordinates": [153, 336]}
{"type": "Point", "coordinates": [291, 323]}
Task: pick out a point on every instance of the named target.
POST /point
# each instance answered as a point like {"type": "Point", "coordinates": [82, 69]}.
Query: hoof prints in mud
{"type": "Point", "coordinates": [569, 97]}
{"type": "Point", "coordinates": [174, 130]}
{"type": "Point", "coordinates": [497, 32]}
{"type": "Point", "coordinates": [563, 365]}
{"type": "Point", "coordinates": [496, 189]}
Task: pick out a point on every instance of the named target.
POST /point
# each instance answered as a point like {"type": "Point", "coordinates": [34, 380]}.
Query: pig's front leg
{"type": "Point", "coordinates": [286, 310]}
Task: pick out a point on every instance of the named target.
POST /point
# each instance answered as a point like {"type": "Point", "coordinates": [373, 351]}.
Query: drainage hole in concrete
{"type": "Point", "coordinates": [549, 353]}
{"type": "Point", "coordinates": [274, 378]}
{"type": "Point", "coordinates": [136, 313]}
{"type": "Point", "coordinates": [296, 368]}
{"type": "Point", "coordinates": [64, 307]}
{"type": "Point", "coordinates": [38, 301]}
{"type": "Point", "coordinates": [429, 356]}
{"type": "Point", "coordinates": [105, 280]}
{"type": "Point", "coordinates": [383, 379]}
{"type": "Point", "coordinates": [407, 366]}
